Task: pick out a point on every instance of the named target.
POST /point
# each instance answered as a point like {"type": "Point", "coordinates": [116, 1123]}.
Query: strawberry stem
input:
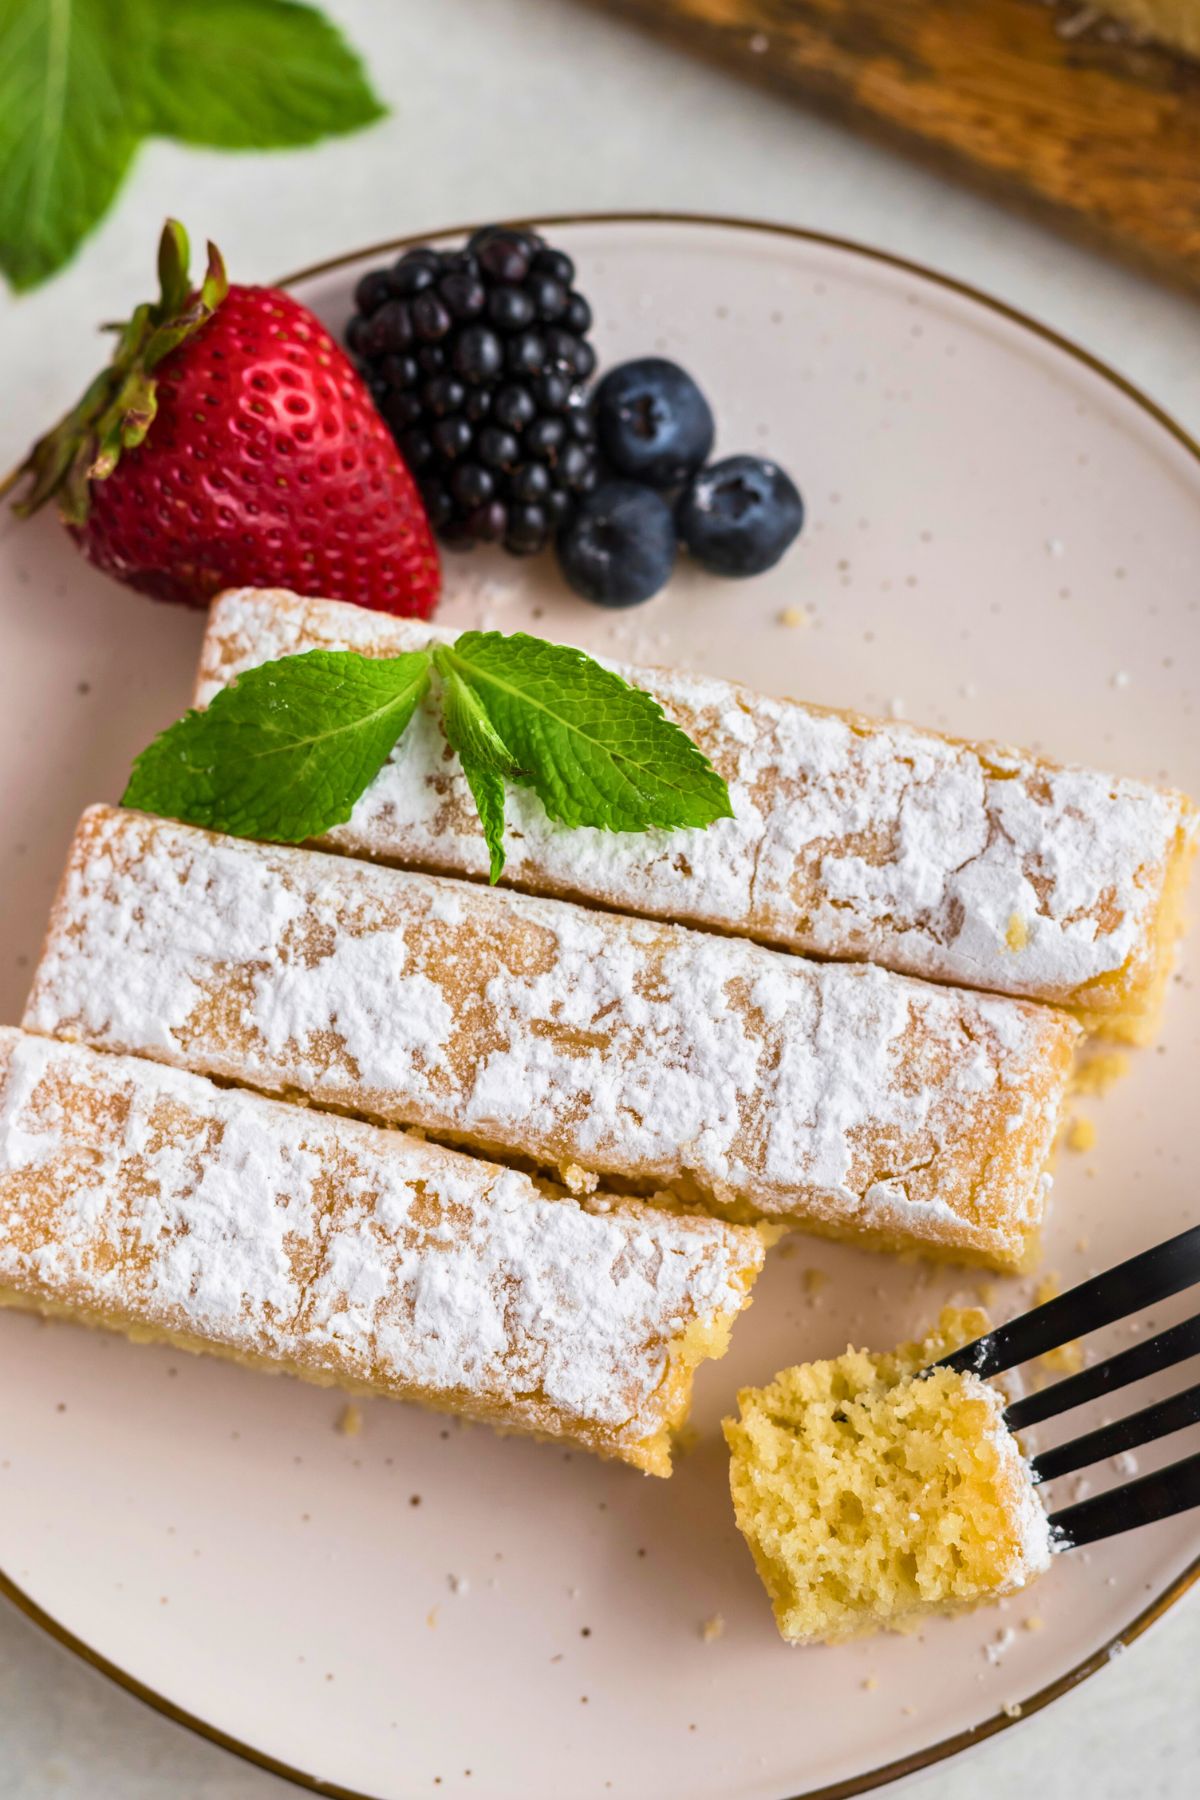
{"type": "Point", "coordinates": [118, 408]}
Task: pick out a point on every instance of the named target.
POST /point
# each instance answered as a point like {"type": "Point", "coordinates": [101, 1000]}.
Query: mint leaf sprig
{"type": "Point", "coordinates": [285, 752]}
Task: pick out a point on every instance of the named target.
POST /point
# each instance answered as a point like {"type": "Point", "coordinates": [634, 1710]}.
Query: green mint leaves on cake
{"type": "Point", "coordinates": [82, 82]}
{"type": "Point", "coordinates": [286, 751]}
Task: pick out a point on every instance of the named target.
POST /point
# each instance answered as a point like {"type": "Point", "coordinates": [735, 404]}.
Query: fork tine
{"type": "Point", "coordinates": [1144, 1279]}
{"type": "Point", "coordinates": [1159, 1420]}
{"type": "Point", "coordinates": [1162, 1352]}
{"type": "Point", "coordinates": [1157, 1496]}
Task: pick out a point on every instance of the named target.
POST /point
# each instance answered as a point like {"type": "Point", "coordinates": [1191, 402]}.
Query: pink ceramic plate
{"type": "Point", "coordinates": [1002, 540]}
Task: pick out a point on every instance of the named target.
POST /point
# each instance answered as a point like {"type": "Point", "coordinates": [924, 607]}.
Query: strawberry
{"type": "Point", "coordinates": [231, 443]}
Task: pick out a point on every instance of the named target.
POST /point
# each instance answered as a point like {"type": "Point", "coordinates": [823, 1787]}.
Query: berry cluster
{"type": "Point", "coordinates": [477, 359]}
{"type": "Point", "coordinates": [656, 431]}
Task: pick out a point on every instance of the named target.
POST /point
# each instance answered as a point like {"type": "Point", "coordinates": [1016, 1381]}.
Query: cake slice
{"type": "Point", "coordinates": [757, 1085]}
{"type": "Point", "coordinates": [153, 1203]}
{"type": "Point", "coordinates": [853, 839]}
{"type": "Point", "coordinates": [870, 1496]}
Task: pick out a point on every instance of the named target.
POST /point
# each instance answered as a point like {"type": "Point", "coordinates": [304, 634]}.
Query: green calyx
{"type": "Point", "coordinates": [118, 408]}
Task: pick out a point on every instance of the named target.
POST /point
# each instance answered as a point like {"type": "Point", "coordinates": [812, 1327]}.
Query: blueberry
{"type": "Point", "coordinates": [654, 423]}
{"type": "Point", "coordinates": [619, 548]}
{"type": "Point", "coordinates": [739, 516]}
{"type": "Point", "coordinates": [478, 404]}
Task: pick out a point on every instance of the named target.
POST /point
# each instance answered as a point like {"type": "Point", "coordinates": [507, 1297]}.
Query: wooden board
{"type": "Point", "coordinates": [1104, 134]}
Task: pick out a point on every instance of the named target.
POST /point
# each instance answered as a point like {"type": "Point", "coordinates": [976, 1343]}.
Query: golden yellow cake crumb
{"type": "Point", "coordinates": [814, 1280]}
{"type": "Point", "coordinates": [1017, 934]}
{"type": "Point", "coordinates": [870, 1684]}
{"type": "Point", "coordinates": [350, 1420]}
{"type": "Point", "coordinates": [987, 1291]}
{"type": "Point", "coordinates": [712, 1628]}
{"type": "Point", "coordinates": [795, 616]}
{"type": "Point", "coordinates": [1096, 1074]}
{"type": "Point", "coordinates": [1081, 1134]}
{"type": "Point", "coordinates": [869, 1496]}
{"type": "Point", "coordinates": [1012, 1709]}
{"type": "Point", "coordinates": [1034, 1622]}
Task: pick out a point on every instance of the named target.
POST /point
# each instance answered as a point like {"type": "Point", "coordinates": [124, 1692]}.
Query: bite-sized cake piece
{"type": "Point", "coordinates": [764, 1086]}
{"type": "Point", "coordinates": [853, 839]}
{"type": "Point", "coordinates": [869, 1495]}
{"type": "Point", "coordinates": [152, 1202]}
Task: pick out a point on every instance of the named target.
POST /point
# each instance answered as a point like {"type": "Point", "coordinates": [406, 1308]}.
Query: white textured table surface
{"type": "Point", "coordinates": [510, 106]}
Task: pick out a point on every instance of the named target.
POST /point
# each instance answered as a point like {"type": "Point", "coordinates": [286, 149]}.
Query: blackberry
{"type": "Point", "coordinates": [478, 359]}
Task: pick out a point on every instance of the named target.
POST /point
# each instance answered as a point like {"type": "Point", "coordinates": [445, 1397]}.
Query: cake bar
{"type": "Point", "coordinates": [853, 839]}
{"type": "Point", "coordinates": [762, 1086]}
{"type": "Point", "coordinates": [869, 1496]}
{"type": "Point", "coordinates": [149, 1201]}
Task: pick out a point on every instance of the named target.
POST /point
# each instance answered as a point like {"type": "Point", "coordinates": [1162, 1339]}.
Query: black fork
{"type": "Point", "coordinates": [1142, 1281]}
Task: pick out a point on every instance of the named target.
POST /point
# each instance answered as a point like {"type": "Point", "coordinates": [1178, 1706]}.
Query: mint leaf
{"type": "Point", "coordinates": [253, 75]}
{"type": "Point", "coordinates": [595, 750]}
{"type": "Point", "coordinates": [286, 751]}
{"type": "Point", "coordinates": [67, 131]}
{"type": "Point", "coordinates": [484, 756]}
{"type": "Point", "coordinates": [83, 81]}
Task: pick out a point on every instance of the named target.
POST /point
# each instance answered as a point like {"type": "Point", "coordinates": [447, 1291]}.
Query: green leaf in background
{"type": "Point", "coordinates": [253, 75]}
{"type": "Point", "coordinates": [595, 750]}
{"type": "Point", "coordinates": [286, 751]}
{"type": "Point", "coordinates": [484, 756]}
{"type": "Point", "coordinates": [67, 131]}
{"type": "Point", "coordinates": [83, 81]}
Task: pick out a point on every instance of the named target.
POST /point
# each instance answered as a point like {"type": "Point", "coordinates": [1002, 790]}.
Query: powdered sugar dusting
{"type": "Point", "coordinates": [851, 838]}
{"type": "Point", "coordinates": [150, 1197]}
{"type": "Point", "coordinates": [645, 1052]}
